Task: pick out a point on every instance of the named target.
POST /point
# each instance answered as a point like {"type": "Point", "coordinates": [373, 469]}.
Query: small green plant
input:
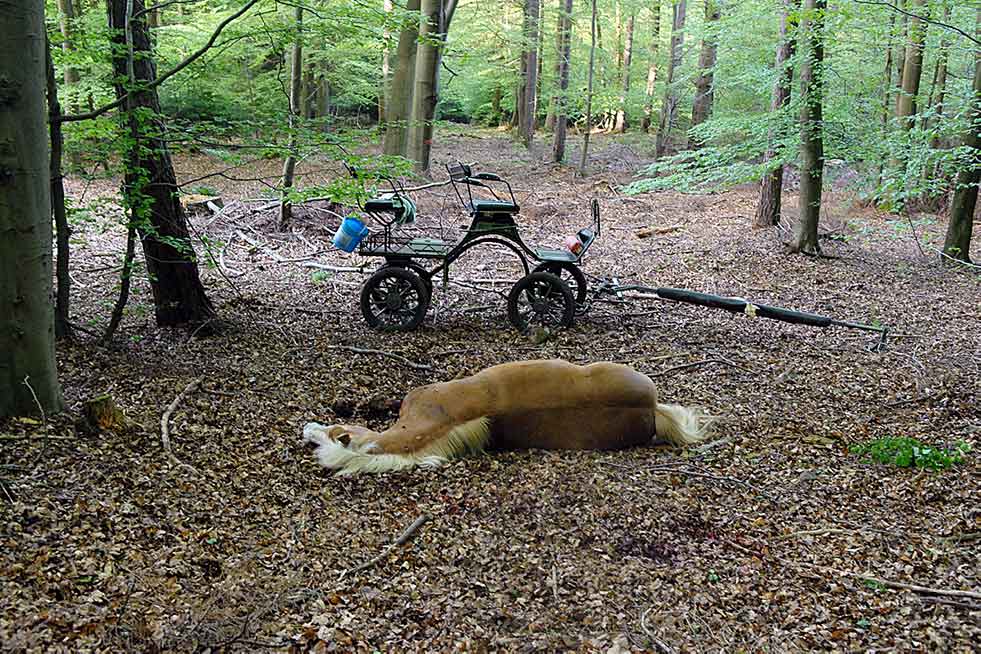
{"type": "Point", "coordinates": [319, 276]}
{"type": "Point", "coordinates": [908, 452]}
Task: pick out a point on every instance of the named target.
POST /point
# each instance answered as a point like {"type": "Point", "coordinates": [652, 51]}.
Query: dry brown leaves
{"type": "Point", "coordinates": [760, 544]}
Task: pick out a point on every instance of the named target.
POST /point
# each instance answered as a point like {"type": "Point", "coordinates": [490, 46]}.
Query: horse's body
{"type": "Point", "coordinates": [526, 404]}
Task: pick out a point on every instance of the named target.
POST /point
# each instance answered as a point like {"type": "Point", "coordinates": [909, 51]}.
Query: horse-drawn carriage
{"type": "Point", "coordinates": [397, 296]}
{"type": "Point", "coordinates": [553, 288]}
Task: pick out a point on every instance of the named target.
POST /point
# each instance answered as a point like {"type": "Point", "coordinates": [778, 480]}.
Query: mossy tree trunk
{"type": "Point", "coordinates": [645, 122]}
{"type": "Point", "coordinates": [150, 184]}
{"type": "Point", "coordinates": [669, 106]}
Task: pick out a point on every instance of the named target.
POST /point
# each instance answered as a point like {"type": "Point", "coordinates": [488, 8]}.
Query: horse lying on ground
{"type": "Point", "coordinates": [552, 405]}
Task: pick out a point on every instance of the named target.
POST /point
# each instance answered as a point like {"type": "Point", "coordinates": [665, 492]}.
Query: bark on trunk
{"type": "Point", "coordinates": [645, 122]}
{"type": "Point", "coordinates": [912, 67]}
{"type": "Point", "coordinates": [399, 102]}
{"type": "Point", "coordinates": [27, 361]}
{"type": "Point", "coordinates": [295, 111]}
{"type": "Point", "coordinates": [812, 142]}
{"type": "Point", "coordinates": [178, 295]}
{"type": "Point", "coordinates": [562, 100]}
{"type": "Point", "coordinates": [62, 230]}
{"type": "Point", "coordinates": [553, 101]}
{"type": "Point", "coordinates": [704, 94]}
{"type": "Point", "coordinates": [671, 99]}
{"type": "Point", "coordinates": [938, 89]}
{"type": "Point", "coordinates": [628, 45]}
{"type": "Point", "coordinates": [529, 96]}
{"type": "Point", "coordinates": [957, 243]}
{"type": "Point", "coordinates": [386, 66]}
{"type": "Point", "coordinates": [424, 96]}
{"type": "Point", "coordinates": [771, 186]}
{"type": "Point", "coordinates": [584, 155]}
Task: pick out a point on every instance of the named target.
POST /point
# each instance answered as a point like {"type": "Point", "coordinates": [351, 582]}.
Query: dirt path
{"type": "Point", "coordinates": [777, 540]}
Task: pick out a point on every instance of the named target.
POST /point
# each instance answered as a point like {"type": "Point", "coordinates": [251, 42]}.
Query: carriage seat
{"type": "Point", "coordinates": [494, 206]}
{"type": "Point", "coordinates": [556, 255]}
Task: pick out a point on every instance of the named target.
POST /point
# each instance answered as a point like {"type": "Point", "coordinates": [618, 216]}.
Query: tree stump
{"type": "Point", "coordinates": [100, 414]}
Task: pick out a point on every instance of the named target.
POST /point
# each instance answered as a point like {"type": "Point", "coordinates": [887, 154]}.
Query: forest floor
{"type": "Point", "coordinates": [778, 539]}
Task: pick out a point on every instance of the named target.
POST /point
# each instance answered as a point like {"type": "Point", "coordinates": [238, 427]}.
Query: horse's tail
{"type": "Point", "coordinates": [680, 425]}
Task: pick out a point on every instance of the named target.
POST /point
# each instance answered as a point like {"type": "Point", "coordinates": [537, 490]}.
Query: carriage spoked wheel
{"type": "Point", "coordinates": [540, 299]}
{"type": "Point", "coordinates": [427, 279]}
{"type": "Point", "coordinates": [571, 275]}
{"type": "Point", "coordinates": [394, 299]}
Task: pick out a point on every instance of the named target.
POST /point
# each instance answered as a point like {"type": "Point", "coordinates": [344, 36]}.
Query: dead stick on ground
{"type": "Point", "coordinates": [392, 355]}
{"type": "Point", "coordinates": [165, 422]}
{"type": "Point", "coordinates": [401, 540]}
{"type": "Point", "coordinates": [916, 588]}
{"type": "Point", "coordinates": [34, 437]}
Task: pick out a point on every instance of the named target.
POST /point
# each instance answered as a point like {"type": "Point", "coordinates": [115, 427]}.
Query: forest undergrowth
{"type": "Point", "coordinates": [776, 537]}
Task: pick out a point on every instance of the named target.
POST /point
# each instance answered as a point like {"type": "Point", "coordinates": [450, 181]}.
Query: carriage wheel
{"type": "Point", "coordinates": [540, 300]}
{"type": "Point", "coordinates": [394, 299]}
{"type": "Point", "coordinates": [417, 269]}
{"type": "Point", "coordinates": [570, 274]}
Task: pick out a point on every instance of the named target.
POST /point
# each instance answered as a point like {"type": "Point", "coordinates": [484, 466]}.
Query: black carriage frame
{"type": "Point", "coordinates": [397, 296]}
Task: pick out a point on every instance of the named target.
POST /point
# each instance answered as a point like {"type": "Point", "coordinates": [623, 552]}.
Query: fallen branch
{"type": "Point", "coordinates": [391, 355]}
{"type": "Point", "coordinates": [165, 422]}
{"type": "Point", "coordinates": [647, 232]}
{"type": "Point", "coordinates": [916, 588]}
{"type": "Point", "coordinates": [401, 540]}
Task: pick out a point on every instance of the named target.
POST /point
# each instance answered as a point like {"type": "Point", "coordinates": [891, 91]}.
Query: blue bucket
{"type": "Point", "coordinates": [349, 234]}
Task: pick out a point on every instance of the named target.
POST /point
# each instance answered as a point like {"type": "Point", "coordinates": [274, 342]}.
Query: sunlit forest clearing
{"type": "Point", "coordinates": [179, 303]}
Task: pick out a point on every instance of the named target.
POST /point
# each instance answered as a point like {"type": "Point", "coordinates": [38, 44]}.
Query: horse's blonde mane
{"type": "Point", "coordinates": [348, 460]}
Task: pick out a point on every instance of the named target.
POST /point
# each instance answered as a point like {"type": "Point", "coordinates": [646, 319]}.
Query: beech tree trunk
{"type": "Point", "coordinates": [805, 237]}
{"type": "Point", "coordinates": [938, 89]}
{"type": "Point", "coordinates": [670, 105]}
{"type": "Point", "coordinates": [584, 155]}
{"type": "Point", "coordinates": [178, 294]}
{"type": "Point", "coordinates": [912, 67]}
{"type": "Point", "coordinates": [553, 101]}
{"type": "Point", "coordinates": [645, 122]}
{"type": "Point", "coordinates": [424, 96]}
{"type": "Point", "coordinates": [771, 186]}
{"type": "Point", "coordinates": [62, 230]}
{"type": "Point", "coordinates": [957, 243]}
{"type": "Point", "coordinates": [628, 45]}
{"type": "Point", "coordinates": [530, 58]}
{"type": "Point", "coordinates": [562, 100]}
{"type": "Point", "coordinates": [399, 102]}
{"type": "Point", "coordinates": [704, 93]}
{"type": "Point", "coordinates": [386, 66]}
{"type": "Point", "coordinates": [295, 111]}
{"type": "Point", "coordinates": [27, 355]}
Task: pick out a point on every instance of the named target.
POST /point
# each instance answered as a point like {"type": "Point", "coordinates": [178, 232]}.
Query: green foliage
{"type": "Point", "coordinates": [908, 452]}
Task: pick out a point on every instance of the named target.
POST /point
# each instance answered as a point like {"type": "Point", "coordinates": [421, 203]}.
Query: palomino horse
{"type": "Point", "coordinates": [552, 405]}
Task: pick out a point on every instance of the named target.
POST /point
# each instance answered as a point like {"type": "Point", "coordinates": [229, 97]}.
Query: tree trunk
{"type": "Point", "coordinates": [771, 186]}
{"type": "Point", "coordinates": [399, 102]}
{"type": "Point", "coordinates": [424, 95]}
{"type": "Point", "coordinates": [887, 96]}
{"type": "Point", "coordinates": [496, 117]}
{"type": "Point", "coordinates": [553, 101]}
{"type": "Point", "coordinates": [704, 94]}
{"type": "Point", "coordinates": [912, 68]}
{"type": "Point", "coordinates": [584, 156]}
{"type": "Point", "coordinates": [938, 89]}
{"type": "Point", "coordinates": [812, 142]}
{"type": "Point", "coordinates": [671, 99]}
{"type": "Point", "coordinates": [645, 122]}
{"type": "Point", "coordinates": [62, 230]}
{"type": "Point", "coordinates": [620, 125]}
{"type": "Point", "coordinates": [27, 361]}
{"type": "Point", "coordinates": [386, 66]}
{"type": "Point", "coordinates": [562, 100]}
{"type": "Point", "coordinates": [178, 295]}
{"type": "Point", "coordinates": [531, 73]}
{"type": "Point", "coordinates": [66, 20]}
{"type": "Point", "coordinates": [957, 243]}
{"type": "Point", "coordinates": [295, 111]}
